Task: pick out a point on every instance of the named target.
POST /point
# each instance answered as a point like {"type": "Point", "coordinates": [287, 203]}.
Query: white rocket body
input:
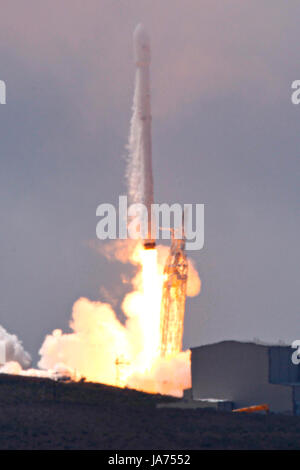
{"type": "Point", "coordinates": [143, 105]}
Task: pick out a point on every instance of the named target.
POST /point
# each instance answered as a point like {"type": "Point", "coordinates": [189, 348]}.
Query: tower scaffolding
{"type": "Point", "coordinates": [173, 299]}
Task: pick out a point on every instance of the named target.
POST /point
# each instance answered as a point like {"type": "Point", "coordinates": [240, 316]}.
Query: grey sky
{"type": "Point", "coordinates": [225, 133]}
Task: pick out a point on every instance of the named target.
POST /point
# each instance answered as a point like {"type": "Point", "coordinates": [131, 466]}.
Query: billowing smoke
{"type": "Point", "coordinates": [102, 349]}
{"type": "Point", "coordinates": [12, 352]}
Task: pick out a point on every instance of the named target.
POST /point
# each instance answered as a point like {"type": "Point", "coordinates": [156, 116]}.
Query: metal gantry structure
{"type": "Point", "coordinates": [173, 299]}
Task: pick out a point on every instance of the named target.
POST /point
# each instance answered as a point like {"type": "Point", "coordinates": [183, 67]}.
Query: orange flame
{"type": "Point", "coordinates": [102, 349]}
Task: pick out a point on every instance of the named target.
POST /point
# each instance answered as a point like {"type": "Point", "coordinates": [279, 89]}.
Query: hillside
{"type": "Point", "coordinates": [42, 414]}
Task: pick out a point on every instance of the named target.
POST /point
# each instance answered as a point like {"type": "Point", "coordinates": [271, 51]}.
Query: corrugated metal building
{"type": "Point", "coordinates": [247, 374]}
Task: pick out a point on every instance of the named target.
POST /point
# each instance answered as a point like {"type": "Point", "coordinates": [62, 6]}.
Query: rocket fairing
{"type": "Point", "coordinates": [143, 103]}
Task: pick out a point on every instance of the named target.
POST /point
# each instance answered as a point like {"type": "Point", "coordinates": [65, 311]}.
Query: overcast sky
{"type": "Point", "coordinates": [225, 134]}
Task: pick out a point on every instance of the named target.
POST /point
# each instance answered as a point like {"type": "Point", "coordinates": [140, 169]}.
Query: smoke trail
{"type": "Point", "coordinates": [139, 162]}
{"type": "Point", "coordinates": [134, 169]}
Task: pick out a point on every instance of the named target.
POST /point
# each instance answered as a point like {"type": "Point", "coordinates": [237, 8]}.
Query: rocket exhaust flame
{"type": "Point", "coordinates": [100, 347]}
{"type": "Point", "coordinates": [104, 350]}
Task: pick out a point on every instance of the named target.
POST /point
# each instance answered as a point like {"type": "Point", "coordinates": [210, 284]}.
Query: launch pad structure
{"type": "Point", "coordinates": [173, 299]}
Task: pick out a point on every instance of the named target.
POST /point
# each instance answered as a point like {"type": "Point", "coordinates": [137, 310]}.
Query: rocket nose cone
{"type": "Point", "coordinates": [140, 35]}
{"type": "Point", "coordinates": [141, 45]}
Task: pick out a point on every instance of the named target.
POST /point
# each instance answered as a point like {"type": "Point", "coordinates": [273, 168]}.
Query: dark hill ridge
{"type": "Point", "coordinates": [41, 414]}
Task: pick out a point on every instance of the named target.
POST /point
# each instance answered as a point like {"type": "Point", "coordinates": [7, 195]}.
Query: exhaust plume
{"type": "Point", "coordinates": [100, 347]}
{"type": "Point", "coordinates": [13, 351]}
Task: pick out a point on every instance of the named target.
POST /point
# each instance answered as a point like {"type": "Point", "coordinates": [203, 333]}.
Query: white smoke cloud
{"type": "Point", "coordinates": [13, 352]}
{"type": "Point", "coordinates": [91, 350]}
{"type": "Point", "coordinates": [161, 378]}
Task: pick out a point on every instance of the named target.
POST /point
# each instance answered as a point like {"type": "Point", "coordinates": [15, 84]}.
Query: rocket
{"type": "Point", "coordinates": [142, 61]}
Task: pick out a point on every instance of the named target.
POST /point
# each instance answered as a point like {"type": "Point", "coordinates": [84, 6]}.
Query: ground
{"type": "Point", "coordinates": [42, 414]}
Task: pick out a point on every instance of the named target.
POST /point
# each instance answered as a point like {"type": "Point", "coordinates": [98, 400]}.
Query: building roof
{"type": "Point", "coordinates": [255, 341]}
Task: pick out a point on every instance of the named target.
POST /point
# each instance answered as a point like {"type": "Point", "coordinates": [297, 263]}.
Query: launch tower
{"type": "Point", "coordinates": [173, 299]}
